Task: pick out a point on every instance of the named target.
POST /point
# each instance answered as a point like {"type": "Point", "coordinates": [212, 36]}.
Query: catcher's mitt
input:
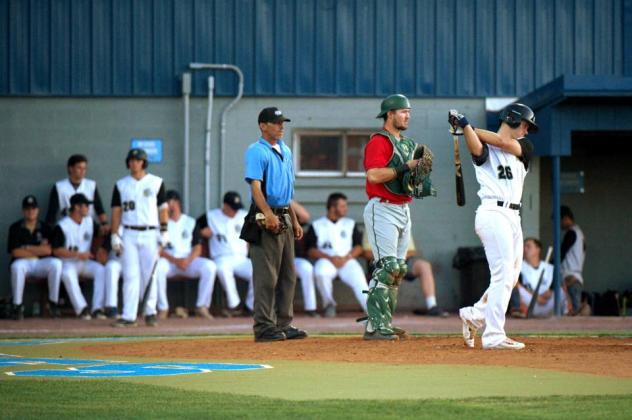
{"type": "Point", "coordinates": [417, 181]}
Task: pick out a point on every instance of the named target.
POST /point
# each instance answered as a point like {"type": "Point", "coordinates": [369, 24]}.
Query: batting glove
{"type": "Point", "coordinates": [117, 243]}
{"type": "Point", "coordinates": [457, 122]}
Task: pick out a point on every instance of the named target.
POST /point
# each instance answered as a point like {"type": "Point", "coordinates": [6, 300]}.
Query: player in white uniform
{"type": "Point", "coordinates": [182, 257]}
{"type": "Point", "coordinates": [501, 161]}
{"type": "Point", "coordinates": [140, 206]}
{"type": "Point", "coordinates": [59, 201]}
{"type": "Point", "coordinates": [335, 242]}
{"type": "Point", "coordinates": [573, 254]}
{"type": "Point", "coordinates": [29, 246]}
{"type": "Point", "coordinates": [222, 227]}
{"type": "Point", "coordinates": [303, 267]}
{"type": "Point", "coordinates": [72, 243]}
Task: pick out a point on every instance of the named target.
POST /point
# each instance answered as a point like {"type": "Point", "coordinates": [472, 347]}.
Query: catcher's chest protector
{"type": "Point", "coordinates": [403, 151]}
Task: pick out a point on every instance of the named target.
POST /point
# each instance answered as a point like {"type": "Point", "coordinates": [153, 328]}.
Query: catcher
{"type": "Point", "coordinates": [397, 169]}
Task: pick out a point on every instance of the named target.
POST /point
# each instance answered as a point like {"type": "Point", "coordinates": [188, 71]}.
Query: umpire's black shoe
{"type": "Point", "coordinates": [293, 333]}
{"type": "Point", "coordinates": [270, 335]}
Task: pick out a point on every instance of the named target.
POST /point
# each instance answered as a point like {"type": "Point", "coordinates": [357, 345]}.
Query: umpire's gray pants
{"type": "Point", "coordinates": [274, 281]}
{"type": "Point", "coordinates": [388, 228]}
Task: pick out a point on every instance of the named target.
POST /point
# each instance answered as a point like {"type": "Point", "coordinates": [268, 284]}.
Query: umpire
{"type": "Point", "coordinates": [270, 174]}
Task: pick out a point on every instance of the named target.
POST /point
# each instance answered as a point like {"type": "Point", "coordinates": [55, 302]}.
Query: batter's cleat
{"type": "Point", "coordinates": [375, 335]}
{"type": "Point", "coordinates": [269, 336]}
{"type": "Point", "coordinates": [293, 333]}
{"type": "Point", "coordinates": [151, 320]}
{"type": "Point", "coordinates": [123, 323]}
{"type": "Point", "coordinates": [470, 326]}
{"type": "Point", "coordinates": [330, 311]}
{"type": "Point", "coordinates": [99, 314]}
{"type": "Point", "coordinates": [507, 344]}
{"type": "Point", "coordinates": [85, 314]}
{"type": "Point", "coordinates": [202, 312]}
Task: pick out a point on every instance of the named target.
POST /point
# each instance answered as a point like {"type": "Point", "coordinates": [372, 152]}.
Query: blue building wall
{"type": "Point", "coordinates": [309, 47]}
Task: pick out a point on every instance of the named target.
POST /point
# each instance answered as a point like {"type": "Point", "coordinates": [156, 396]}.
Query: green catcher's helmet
{"type": "Point", "coordinates": [397, 101]}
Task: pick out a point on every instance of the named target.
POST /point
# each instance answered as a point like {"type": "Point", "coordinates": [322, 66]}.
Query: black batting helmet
{"type": "Point", "coordinates": [138, 154]}
{"type": "Point", "coordinates": [513, 114]}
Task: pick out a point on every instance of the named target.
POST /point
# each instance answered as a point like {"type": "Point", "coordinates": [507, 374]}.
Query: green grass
{"type": "Point", "coordinates": [30, 398]}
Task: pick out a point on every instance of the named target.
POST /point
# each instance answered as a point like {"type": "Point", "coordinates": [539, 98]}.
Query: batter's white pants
{"type": "Point", "coordinates": [541, 310]}
{"type": "Point", "coordinates": [140, 253]}
{"type": "Point", "coordinates": [500, 231]}
{"type": "Point", "coordinates": [305, 272]}
{"type": "Point", "coordinates": [201, 268]}
{"type": "Point", "coordinates": [227, 268]}
{"type": "Point", "coordinates": [113, 270]}
{"type": "Point", "coordinates": [71, 271]}
{"type": "Point", "coordinates": [37, 267]}
{"type": "Point", "coordinates": [351, 274]}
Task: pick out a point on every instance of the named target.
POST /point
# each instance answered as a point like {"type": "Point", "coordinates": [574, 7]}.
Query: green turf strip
{"type": "Point", "coordinates": [30, 398]}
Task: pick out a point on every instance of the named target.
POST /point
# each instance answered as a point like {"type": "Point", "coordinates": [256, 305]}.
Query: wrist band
{"type": "Point", "coordinates": [163, 227]}
{"type": "Point", "coordinates": [402, 169]}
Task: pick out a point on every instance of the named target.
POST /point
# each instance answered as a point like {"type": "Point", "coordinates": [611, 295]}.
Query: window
{"type": "Point", "coordinates": [330, 152]}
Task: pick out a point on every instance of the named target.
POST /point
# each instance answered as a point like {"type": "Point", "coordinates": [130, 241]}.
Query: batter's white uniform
{"type": "Point", "coordinates": [78, 237]}
{"type": "Point", "coordinates": [501, 177]}
{"type": "Point", "coordinates": [230, 254]}
{"type": "Point", "coordinates": [337, 239]}
{"type": "Point", "coordinates": [183, 236]}
{"type": "Point", "coordinates": [530, 277]}
{"type": "Point", "coordinates": [139, 200]}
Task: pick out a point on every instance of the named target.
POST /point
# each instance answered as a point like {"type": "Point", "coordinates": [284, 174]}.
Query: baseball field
{"type": "Point", "coordinates": [571, 368]}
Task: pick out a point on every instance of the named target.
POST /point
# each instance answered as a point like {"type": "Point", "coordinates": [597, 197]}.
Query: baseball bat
{"type": "Point", "coordinates": [460, 188]}
{"type": "Point", "coordinates": [534, 297]}
{"type": "Point", "coordinates": [141, 309]}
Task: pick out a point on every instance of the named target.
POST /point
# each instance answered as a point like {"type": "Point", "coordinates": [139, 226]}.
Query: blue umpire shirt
{"type": "Point", "coordinates": [262, 159]}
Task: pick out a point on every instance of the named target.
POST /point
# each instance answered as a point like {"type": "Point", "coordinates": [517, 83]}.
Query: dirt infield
{"type": "Point", "coordinates": [600, 356]}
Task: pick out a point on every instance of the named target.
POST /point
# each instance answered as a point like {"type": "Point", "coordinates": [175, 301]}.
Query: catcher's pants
{"type": "Point", "coordinates": [71, 271]}
{"type": "Point", "coordinates": [201, 268]}
{"type": "Point", "coordinates": [227, 268]}
{"type": "Point", "coordinates": [140, 253]}
{"type": "Point", "coordinates": [113, 270]}
{"type": "Point", "coordinates": [305, 272]}
{"type": "Point", "coordinates": [37, 267]}
{"type": "Point", "coordinates": [388, 228]}
{"type": "Point", "coordinates": [351, 274]}
{"type": "Point", "coordinates": [499, 230]}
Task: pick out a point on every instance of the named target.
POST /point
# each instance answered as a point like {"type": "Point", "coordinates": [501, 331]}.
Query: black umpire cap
{"type": "Point", "coordinates": [29, 202]}
{"type": "Point", "coordinates": [272, 115]}
{"type": "Point", "coordinates": [233, 200]}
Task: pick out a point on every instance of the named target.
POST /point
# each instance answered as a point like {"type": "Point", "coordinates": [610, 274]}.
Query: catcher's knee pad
{"type": "Point", "coordinates": [403, 269]}
{"type": "Point", "coordinates": [387, 271]}
{"type": "Point", "coordinates": [379, 309]}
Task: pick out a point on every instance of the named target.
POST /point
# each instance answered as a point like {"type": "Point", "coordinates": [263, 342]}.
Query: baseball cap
{"type": "Point", "coordinates": [272, 114]}
{"type": "Point", "coordinates": [78, 199]}
{"type": "Point", "coordinates": [233, 200]}
{"type": "Point", "coordinates": [29, 202]}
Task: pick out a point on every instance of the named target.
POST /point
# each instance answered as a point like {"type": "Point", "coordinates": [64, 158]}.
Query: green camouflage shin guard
{"type": "Point", "coordinates": [379, 301]}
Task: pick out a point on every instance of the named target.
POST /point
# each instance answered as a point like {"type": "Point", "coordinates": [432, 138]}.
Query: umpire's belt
{"type": "Point", "coordinates": [508, 205]}
{"type": "Point", "coordinates": [280, 211]}
{"type": "Point", "coordinates": [141, 228]}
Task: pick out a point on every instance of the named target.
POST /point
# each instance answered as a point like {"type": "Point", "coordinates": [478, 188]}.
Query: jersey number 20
{"type": "Point", "coordinates": [129, 205]}
{"type": "Point", "coordinates": [504, 172]}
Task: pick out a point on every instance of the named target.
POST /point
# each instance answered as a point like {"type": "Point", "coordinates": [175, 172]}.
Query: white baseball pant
{"type": "Point", "coordinates": [113, 269]}
{"type": "Point", "coordinates": [351, 274]}
{"type": "Point", "coordinates": [48, 267]}
{"type": "Point", "coordinates": [140, 252]}
{"type": "Point", "coordinates": [501, 234]}
{"type": "Point", "coordinates": [227, 268]}
{"type": "Point", "coordinates": [201, 268]}
{"type": "Point", "coordinates": [71, 270]}
{"type": "Point", "coordinates": [305, 272]}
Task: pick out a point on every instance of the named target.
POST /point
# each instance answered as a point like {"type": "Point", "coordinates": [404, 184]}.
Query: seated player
{"type": "Point", "coordinates": [72, 243]}
{"type": "Point", "coordinates": [29, 246]}
{"type": "Point", "coordinates": [417, 268]}
{"type": "Point", "coordinates": [222, 227]}
{"type": "Point", "coordinates": [182, 257]}
{"type": "Point", "coordinates": [113, 270]}
{"type": "Point", "coordinates": [303, 267]}
{"type": "Point", "coordinates": [335, 242]}
{"type": "Point", "coordinates": [532, 268]}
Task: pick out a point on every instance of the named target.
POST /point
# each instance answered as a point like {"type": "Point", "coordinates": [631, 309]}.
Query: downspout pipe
{"type": "Point", "coordinates": [222, 133]}
{"type": "Point", "coordinates": [186, 96]}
